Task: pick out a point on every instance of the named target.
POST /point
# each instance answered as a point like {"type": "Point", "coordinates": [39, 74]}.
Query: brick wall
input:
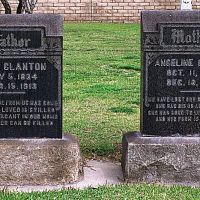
{"type": "Point", "coordinates": [103, 10]}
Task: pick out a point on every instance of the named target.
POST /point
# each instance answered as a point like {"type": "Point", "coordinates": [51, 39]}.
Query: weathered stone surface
{"type": "Point", "coordinates": [40, 161]}
{"type": "Point", "coordinates": [170, 160]}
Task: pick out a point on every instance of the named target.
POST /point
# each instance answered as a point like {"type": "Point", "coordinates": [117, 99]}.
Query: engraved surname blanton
{"type": "Point", "coordinates": [28, 66]}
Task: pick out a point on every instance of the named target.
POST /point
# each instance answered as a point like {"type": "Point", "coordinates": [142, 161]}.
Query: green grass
{"type": "Point", "coordinates": [123, 192]}
{"type": "Point", "coordinates": [101, 84]}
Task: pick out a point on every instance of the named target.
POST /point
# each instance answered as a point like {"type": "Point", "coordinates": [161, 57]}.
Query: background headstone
{"type": "Point", "coordinates": [171, 70]}
{"type": "Point", "coordinates": [170, 102]}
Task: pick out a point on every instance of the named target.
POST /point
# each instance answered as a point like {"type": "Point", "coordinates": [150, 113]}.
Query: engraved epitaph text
{"type": "Point", "coordinates": [30, 83]}
{"type": "Point", "coordinates": [171, 80]}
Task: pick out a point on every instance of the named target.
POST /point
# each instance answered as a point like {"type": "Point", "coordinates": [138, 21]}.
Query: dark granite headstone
{"type": "Point", "coordinates": [30, 76]}
{"type": "Point", "coordinates": [170, 102]}
{"type": "Point", "coordinates": [171, 73]}
{"type": "Point", "coordinates": [33, 151]}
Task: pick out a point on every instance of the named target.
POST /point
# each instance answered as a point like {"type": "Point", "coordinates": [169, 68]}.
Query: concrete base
{"type": "Point", "coordinates": [40, 161]}
{"type": "Point", "coordinates": [96, 174]}
{"type": "Point", "coordinates": [168, 160]}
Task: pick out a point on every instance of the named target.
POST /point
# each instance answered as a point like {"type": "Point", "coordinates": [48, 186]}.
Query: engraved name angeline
{"type": "Point", "coordinates": [175, 62]}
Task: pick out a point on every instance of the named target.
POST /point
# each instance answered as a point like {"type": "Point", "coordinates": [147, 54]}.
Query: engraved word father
{"type": "Point", "coordinates": [10, 41]}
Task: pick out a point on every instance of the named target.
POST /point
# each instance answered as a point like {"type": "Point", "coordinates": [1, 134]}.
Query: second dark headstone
{"type": "Point", "coordinates": [170, 101]}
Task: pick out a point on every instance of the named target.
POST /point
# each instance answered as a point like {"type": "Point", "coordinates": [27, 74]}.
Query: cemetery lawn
{"type": "Point", "coordinates": [134, 192]}
{"type": "Point", "coordinates": [101, 89]}
{"type": "Point", "coordinates": [101, 85]}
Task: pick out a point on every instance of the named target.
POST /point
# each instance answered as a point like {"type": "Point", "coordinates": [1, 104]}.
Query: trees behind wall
{"type": "Point", "coordinates": [24, 6]}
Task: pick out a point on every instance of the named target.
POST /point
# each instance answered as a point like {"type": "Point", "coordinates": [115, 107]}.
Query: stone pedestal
{"type": "Point", "coordinates": [40, 161]}
{"type": "Point", "coordinates": [169, 160]}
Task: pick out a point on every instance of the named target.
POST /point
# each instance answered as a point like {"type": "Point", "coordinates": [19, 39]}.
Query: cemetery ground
{"type": "Point", "coordinates": [101, 84]}
{"type": "Point", "coordinates": [101, 99]}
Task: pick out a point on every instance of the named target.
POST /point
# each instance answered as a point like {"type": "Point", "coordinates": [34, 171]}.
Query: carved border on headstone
{"type": "Point", "coordinates": [48, 43]}
{"type": "Point", "coordinates": [53, 43]}
{"type": "Point", "coordinates": [155, 40]}
{"type": "Point", "coordinates": [56, 61]}
{"type": "Point", "coordinates": [149, 59]}
{"type": "Point", "coordinates": [151, 38]}
{"type": "Point", "coordinates": [25, 28]}
{"type": "Point", "coordinates": [178, 25]}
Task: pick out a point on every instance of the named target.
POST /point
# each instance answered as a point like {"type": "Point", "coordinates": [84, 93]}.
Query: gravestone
{"type": "Point", "coordinates": [30, 80]}
{"type": "Point", "coordinates": [167, 147]}
{"type": "Point", "coordinates": [33, 148]}
{"type": "Point", "coordinates": [171, 85]}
